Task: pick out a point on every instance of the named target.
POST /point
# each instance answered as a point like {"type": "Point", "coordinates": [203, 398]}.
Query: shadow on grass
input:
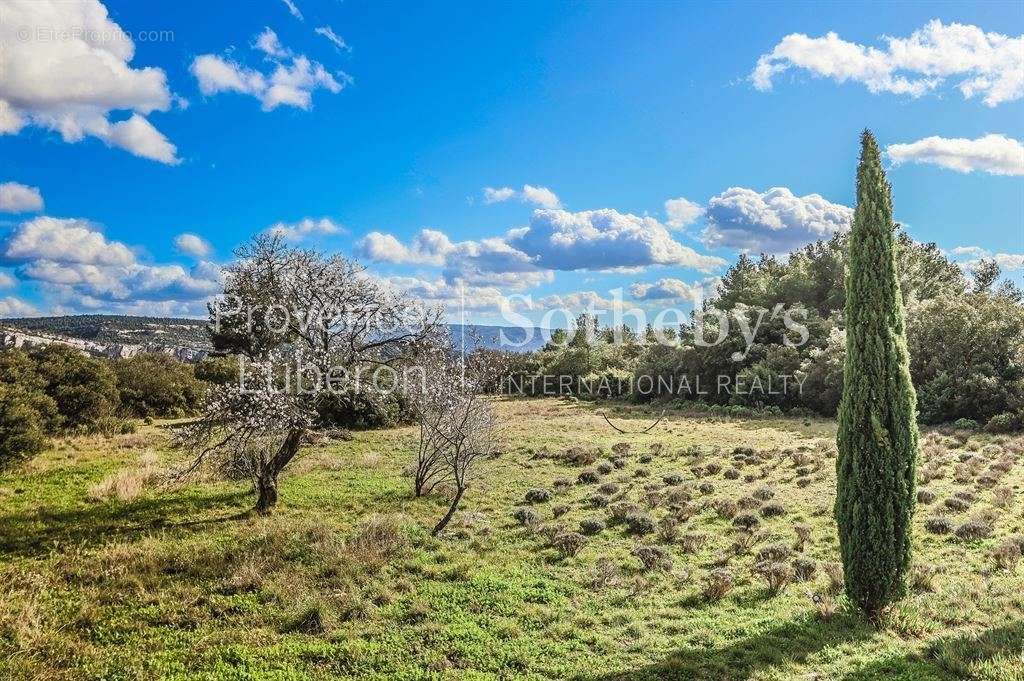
{"type": "Point", "coordinates": [36, 533]}
{"type": "Point", "coordinates": [956, 657]}
{"type": "Point", "coordinates": [791, 642]}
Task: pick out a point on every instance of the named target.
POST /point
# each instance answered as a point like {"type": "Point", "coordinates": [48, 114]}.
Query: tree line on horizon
{"type": "Point", "coordinates": [965, 335]}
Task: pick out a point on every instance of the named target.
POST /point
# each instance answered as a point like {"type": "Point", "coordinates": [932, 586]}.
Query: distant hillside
{"type": "Point", "coordinates": [191, 333]}
{"type": "Point", "coordinates": [119, 329]}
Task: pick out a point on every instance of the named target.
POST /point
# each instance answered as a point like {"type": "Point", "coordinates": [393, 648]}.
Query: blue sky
{"type": "Point", "coordinates": [610, 107]}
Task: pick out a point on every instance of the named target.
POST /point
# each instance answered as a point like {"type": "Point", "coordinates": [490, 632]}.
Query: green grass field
{"type": "Point", "coordinates": [101, 580]}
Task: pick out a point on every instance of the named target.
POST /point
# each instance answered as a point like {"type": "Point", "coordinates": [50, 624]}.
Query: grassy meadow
{"type": "Point", "coordinates": [108, 571]}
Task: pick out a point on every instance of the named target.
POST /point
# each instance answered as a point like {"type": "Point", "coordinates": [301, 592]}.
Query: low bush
{"type": "Point", "coordinates": [640, 523]}
{"type": "Point", "coordinates": [668, 529]}
{"type": "Point", "coordinates": [973, 530]}
{"type": "Point", "coordinates": [672, 478]}
{"type": "Point", "coordinates": [1007, 555]}
{"type": "Point", "coordinates": [804, 568]}
{"type": "Point", "coordinates": [569, 543]}
{"type": "Point", "coordinates": [776, 575]}
{"type": "Point", "coordinates": [922, 577]}
{"type": "Point", "coordinates": [718, 583]}
{"type": "Point", "coordinates": [653, 558]}
{"type": "Point", "coordinates": [746, 521]}
{"type": "Point", "coordinates": [939, 525]}
{"type": "Point", "coordinates": [526, 516]}
{"type": "Point", "coordinates": [538, 495]}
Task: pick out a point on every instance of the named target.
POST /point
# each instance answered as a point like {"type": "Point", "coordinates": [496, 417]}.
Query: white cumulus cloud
{"type": "Point", "coordinates": [429, 247]}
{"type": "Point", "coordinates": [488, 262]}
{"type": "Point", "coordinates": [192, 244]}
{"type": "Point", "coordinates": [538, 196]}
{"type": "Point", "coordinates": [290, 83]}
{"type": "Point", "coordinates": [969, 257]}
{"type": "Point", "coordinates": [20, 198]}
{"type": "Point", "coordinates": [682, 212]}
{"type": "Point", "coordinates": [994, 154]}
{"type": "Point", "coordinates": [268, 43]}
{"type": "Point", "coordinates": [306, 227]}
{"type": "Point", "coordinates": [602, 240]}
{"type": "Point", "coordinates": [987, 65]}
{"type": "Point", "coordinates": [775, 221]}
{"type": "Point", "coordinates": [15, 307]}
{"type": "Point", "coordinates": [77, 263]}
{"type": "Point", "coordinates": [65, 66]}
{"type": "Point", "coordinates": [673, 289]}
{"type": "Point", "coordinates": [455, 296]}
{"type": "Point", "coordinates": [63, 240]}
{"type": "Point", "coordinates": [575, 301]}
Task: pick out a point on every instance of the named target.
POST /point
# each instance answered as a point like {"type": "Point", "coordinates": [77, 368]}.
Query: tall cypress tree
{"type": "Point", "coordinates": [877, 416]}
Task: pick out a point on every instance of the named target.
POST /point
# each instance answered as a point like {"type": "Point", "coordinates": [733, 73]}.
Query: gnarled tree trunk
{"type": "Point", "coordinates": [266, 482]}
{"type": "Point", "coordinates": [267, 489]}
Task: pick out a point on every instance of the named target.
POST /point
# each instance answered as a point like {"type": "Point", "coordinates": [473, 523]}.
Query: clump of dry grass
{"type": "Point", "coordinates": [743, 542]}
{"type": "Point", "coordinates": [378, 539]}
{"type": "Point", "coordinates": [621, 449]}
{"type": "Point", "coordinates": [1003, 497]}
{"type": "Point", "coordinates": [957, 504]}
{"type": "Point", "coordinates": [922, 577]}
{"type": "Point", "coordinates": [825, 604]}
{"type": "Point", "coordinates": [604, 573]}
{"type": "Point", "coordinates": [1007, 555]}
{"type": "Point", "coordinates": [834, 572]}
{"type": "Point", "coordinates": [803, 535]}
{"type": "Point", "coordinates": [21, 615]}
{"type": "Point", "coordinates": [726, 509]}
{"type": "Point", "coordinates": [939, 525]}
{"type": "Point", "coordinates": [692, 542]}
{"type": "Point", "coordinates": [773, 552]}
{"type": "Point", "coordinates": [746, 521]}
{"type": "Point", "coordinates": [127, 484]}
{"type": "Point", "coordinates": [668, 529]}
{"type": "Point", "coordinates": [804, 568]}
{"type": "Point", "coordinates": [748, 503]}
{"type": "Point", "coordinates": [976, 528]}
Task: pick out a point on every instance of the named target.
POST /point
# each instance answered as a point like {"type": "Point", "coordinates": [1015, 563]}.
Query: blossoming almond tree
{"type": "Point", "coordinates": [306, 327]}
{"type": "Point", "coordinates": [457, 426]}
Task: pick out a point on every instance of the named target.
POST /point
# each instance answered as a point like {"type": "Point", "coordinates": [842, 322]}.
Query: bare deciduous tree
{"type": "Point", "coordinates": [457, 425]}
{"type": "Point", "coordinates": [309, 327]}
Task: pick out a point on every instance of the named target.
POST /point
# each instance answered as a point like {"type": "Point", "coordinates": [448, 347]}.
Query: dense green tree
{"type": "Point", "coordinates": [877, 436]}
{"type": "Point", "coordinates": [966, 356]}
{"type": "Point", "coordinates": [218, 370]}
{"type": "Point", "coordinates": [24, 414]}
{"type": "Point", "coordinates": [154, 384]}
{"type": "Point", "coordinates": [84, 388]}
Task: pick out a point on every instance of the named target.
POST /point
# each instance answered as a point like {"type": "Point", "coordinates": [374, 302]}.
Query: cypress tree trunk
{"type": "Point", "coordinates": [877, 436]}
